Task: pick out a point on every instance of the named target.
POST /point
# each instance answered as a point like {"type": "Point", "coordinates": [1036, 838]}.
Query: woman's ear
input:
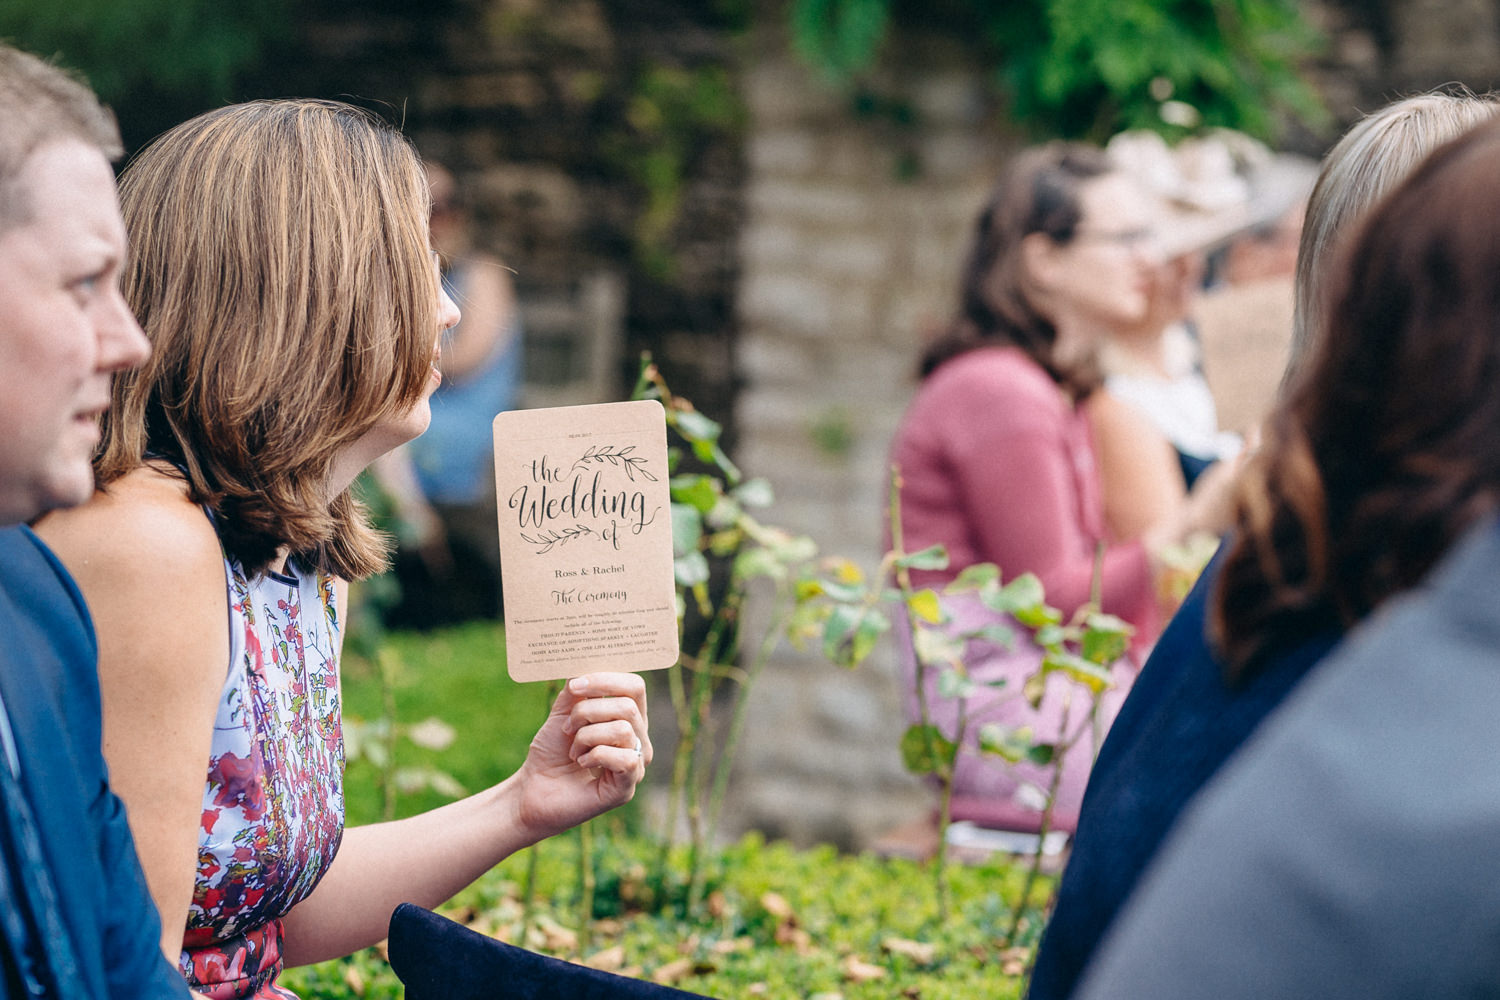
{"type": "Point", "coordinates": [1041, 256]}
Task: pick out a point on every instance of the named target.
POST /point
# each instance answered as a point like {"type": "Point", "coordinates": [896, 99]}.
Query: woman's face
{"type": "Point", "coordinates": [396, 429]}
{"type": "Point", "coordinates": [1102, 277]}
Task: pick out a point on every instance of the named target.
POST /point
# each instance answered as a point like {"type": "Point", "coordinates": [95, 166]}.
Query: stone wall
{"type": "Point", "coordinates": [854, 235]}
{"type": "Point", "coordinates": [535, 105]}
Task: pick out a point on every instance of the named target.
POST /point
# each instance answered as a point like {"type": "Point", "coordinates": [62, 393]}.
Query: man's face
{"type": "Point", "coordinates": [64, 328]}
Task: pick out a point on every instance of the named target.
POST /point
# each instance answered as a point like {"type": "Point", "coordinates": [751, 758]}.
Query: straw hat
{"type": "Point", "coordinates": [1213, 187]}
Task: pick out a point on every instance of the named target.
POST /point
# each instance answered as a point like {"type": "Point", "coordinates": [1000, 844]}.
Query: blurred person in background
{"type": "Point", "coordinates": [442, 485]}
{"type": "Point", "coordinates": [1345, 851]}
{"type": "Point", "coordinates": [996, 453]}
{"type": "Point", "coordinates": [1197, 700]}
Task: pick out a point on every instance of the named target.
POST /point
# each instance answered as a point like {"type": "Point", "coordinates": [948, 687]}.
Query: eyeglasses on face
{"type": "Point", "coordinates": [1137, 238]}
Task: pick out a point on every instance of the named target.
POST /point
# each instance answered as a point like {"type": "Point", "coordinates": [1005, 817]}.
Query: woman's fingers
{"type": "Point", "coordinates": [612, 734]}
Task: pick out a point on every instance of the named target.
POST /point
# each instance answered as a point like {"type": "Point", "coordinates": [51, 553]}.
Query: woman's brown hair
{"type": "Point", "coordinates": [279, 264]}
{"type": "Point", "coordinates": [1387, 445]}
{"type": "Point", "coordinates": [1038, 193]}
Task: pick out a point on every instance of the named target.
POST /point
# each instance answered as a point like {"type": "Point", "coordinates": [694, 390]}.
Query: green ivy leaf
{"type": "Point", "coordinates": [687, 530]}
{"type": "Point", "coordinates": [1042, 753]}
{"type": "Point", "coordinates": [1000, 635]}
{"type": "Point", "coordinates": [851, 632]}
{"type": "Point", "coordinates": [725, 543]}
{"type": "Point", "coordinates": [754, 493]}
{"type": "Point", "coordinates": [1075, 667]}
{"type": "Point", "coordinates": [954, 683]}
{"type": "Point", "coordinates": [1011, 743]}
{"type": "Point", "coordinates": [871, 627]}
{"type": "Point", "coordinates": [975, 577]}
{"type": "Point", "coordinates": [724, 513]}
{"type": "Point", "coordinates": [753, 562]}
{"type": "Point", "coordinates": [1105, 638]}
{"type": "Point", "coordinates": [699, 492]}
{"type": "Point", "coordinates": [925, 750]}
{"type": "Point", "coordinates": [1024, 600]}
{"type": "Point", "coordinates": [1049, 635]}
{"type": "Point", "coordinates": [691, 570]}
{"type": "Point", "coordinates": [935, 646]}
{"type": "Point", "coordinates": [1035, 689]}
{"type": "Point", "coordinates": [695, 427]}
{"type": "Point", "coordinates": [932, 557]}
{"type": "Point", "coordinates": [924, 604]}
{"type": "Point", "coordinates": [792, 549]}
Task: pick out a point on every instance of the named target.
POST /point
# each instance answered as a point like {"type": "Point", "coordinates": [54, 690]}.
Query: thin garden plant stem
{"type": "Point", "coordinates": [1034, 870]}
{"type": "Point", "coordinates": [943, 768]}
{"type": "Point", "coordinates": [585, 886]}
{"type": "Point", "coordinates": [528, 894]}
{"type": "Point", "coordinates": [678, 786]}
{"type": "Point", "coordinates": [388, 665]}
{"type": "Point", "coordinates": [1096, 707]}
{"type": "Point", "coordinates": [703, 684]}
{"type": "Point", "coordinates": [725, 762]}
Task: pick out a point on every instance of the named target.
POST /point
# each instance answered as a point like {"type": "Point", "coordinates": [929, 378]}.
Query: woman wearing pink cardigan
{"type": "Point", "coordinates": [996, 453]}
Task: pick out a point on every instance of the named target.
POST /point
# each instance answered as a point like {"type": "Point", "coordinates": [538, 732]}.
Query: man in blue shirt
{"type": "Point", "coordinates": [75, 917]}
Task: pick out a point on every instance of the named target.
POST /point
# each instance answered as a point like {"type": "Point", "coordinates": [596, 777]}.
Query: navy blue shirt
{"type": "Point", "coordinates": [87, 866]}
{"type": "Point", "coordinates": [1178, 726]}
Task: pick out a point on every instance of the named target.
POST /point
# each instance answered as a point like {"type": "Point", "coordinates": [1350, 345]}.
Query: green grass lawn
{"type": "Point", "coordinates": [459, 676]}
{"type": "Point", "coordinates": [780, 923]}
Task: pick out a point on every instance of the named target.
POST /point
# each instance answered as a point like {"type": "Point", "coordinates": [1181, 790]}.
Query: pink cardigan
{"type": "Point", "coordinates": [998, 466]}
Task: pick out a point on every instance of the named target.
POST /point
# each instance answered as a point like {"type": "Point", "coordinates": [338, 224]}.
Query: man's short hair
{"type": "Point", "coordinates": [41, 103]}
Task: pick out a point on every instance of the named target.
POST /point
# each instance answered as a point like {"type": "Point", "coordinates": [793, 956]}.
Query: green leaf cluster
{"type": "Point", "coordinates": [183, 47]}
{"type": "Point", "coordinates": [1090, 68]}
{"type": "Point", "coordinates": [672, 115]}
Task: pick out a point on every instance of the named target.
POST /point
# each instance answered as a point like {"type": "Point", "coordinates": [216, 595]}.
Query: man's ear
{"type": "Point", "coordinates": [1041, 257]}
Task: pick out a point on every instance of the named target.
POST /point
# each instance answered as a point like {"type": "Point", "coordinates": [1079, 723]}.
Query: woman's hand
{"type": "Point", "coordinates": [588, 756]}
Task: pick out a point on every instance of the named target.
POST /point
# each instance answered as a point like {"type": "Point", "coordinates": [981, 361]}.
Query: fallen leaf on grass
{"type": "Point", "coordinates": [608, 960]}
{"type": "Point", "coordinates": [729, 946]}
{"type": "Point", "coordinates": [856, 970]}
{"type": "Point", "coordinates": [1013, 961]}
{"type": "Point", "coordinates": [776, 905]}
{"type": "Point", "coordinates": [355, 980]}
{"type": "Point", "coordinates": [555, 937]}
{"type": "Point", "coordinates": [795, 937]}
{"type": "Point", "coordinates": [678, 968]}
{"type": "Point", "coordinates": [921, 952]}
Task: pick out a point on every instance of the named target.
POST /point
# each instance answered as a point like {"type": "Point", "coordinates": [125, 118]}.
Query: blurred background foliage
{"type": "Point", "coordinates": [154, 61]}
{"type": "Point", "coordinates": [1076, 68]}
{"type": "Point", "coordinates": [1089, 68]}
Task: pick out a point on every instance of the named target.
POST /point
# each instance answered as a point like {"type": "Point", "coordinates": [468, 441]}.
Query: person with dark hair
{"type": "Point", "coordinates": [76, 919]}
{"type": "Point", "coordinates": [1285, 588]}
{"type": "Point", "coordinates": [1345, 851]}
{"type": "Point", "coordinates": [995, 454]}
{"type": "Point", "coordinates": [442, 484]}
{"type": "Point", "coordinates": [281, 266]}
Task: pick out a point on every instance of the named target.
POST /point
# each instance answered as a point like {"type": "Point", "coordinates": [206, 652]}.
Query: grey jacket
{"type": "Point", "coordinates": [1350, 849]}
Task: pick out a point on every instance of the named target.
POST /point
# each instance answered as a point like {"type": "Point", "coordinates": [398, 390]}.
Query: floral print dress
{"type": "Point", "coordinates": [273, 808]}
